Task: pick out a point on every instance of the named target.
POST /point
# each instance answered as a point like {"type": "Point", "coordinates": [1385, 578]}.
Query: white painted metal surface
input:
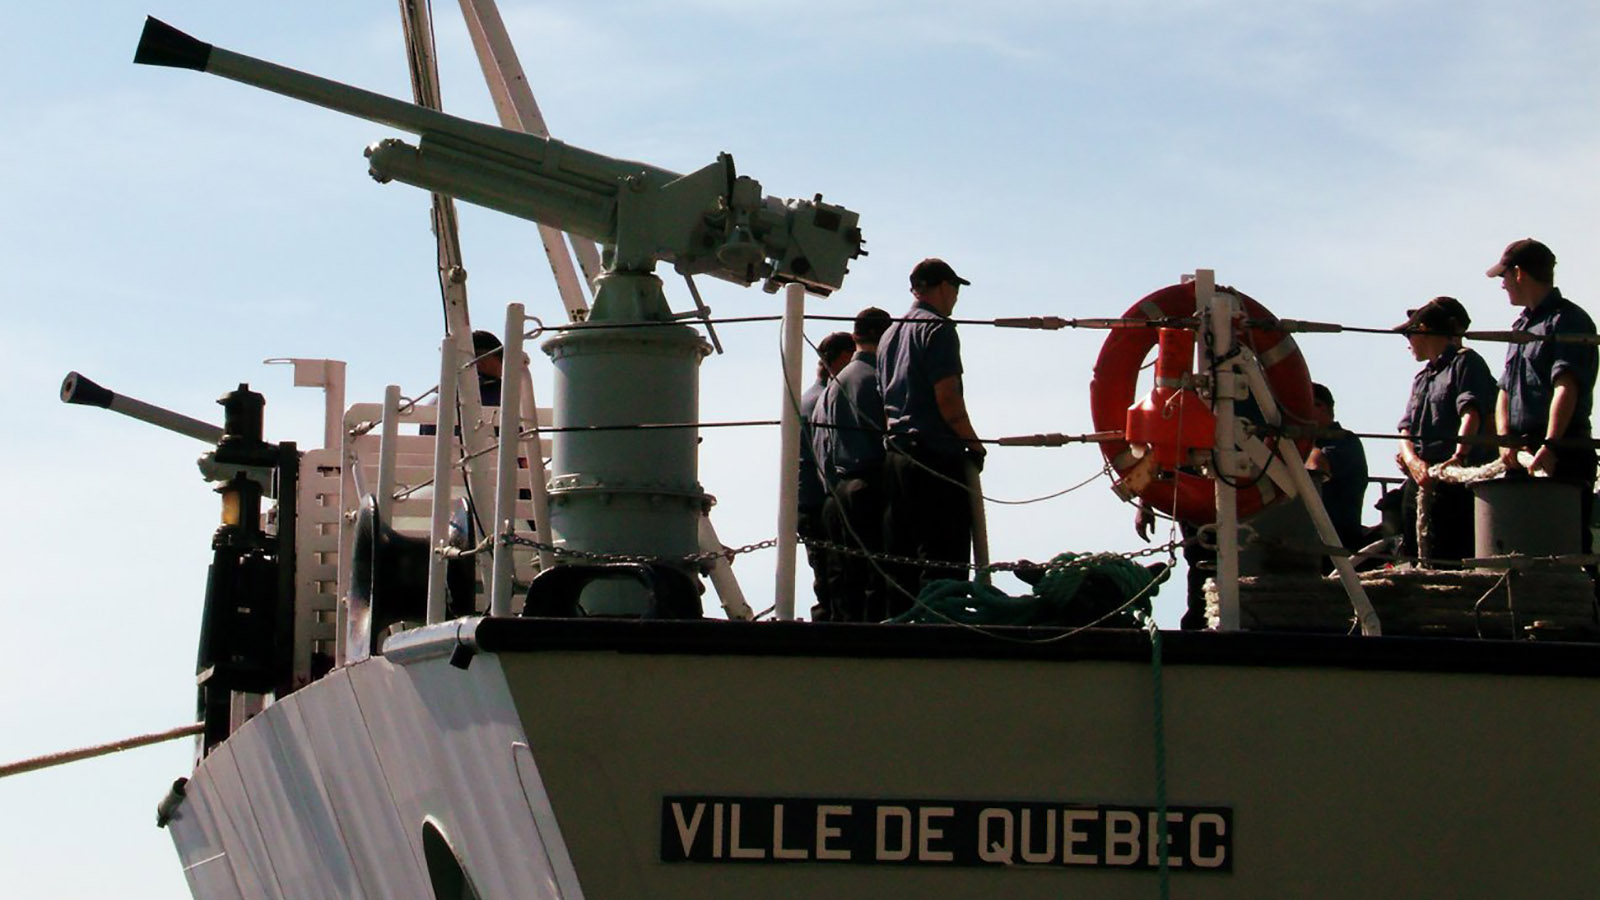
{"type": "Point", "coordinates": [387, 450]}
{"type": "Point", "coordinates": [444, 461]}
{"type": "Point", "coordinates": [794, 310]}
{"type": "Point", "coordinates": [324, 794]}
{"type": "Point", "coordinates": [505, 515]}
{"type": "Point", "coordinates": [722, 580]}
{"type": "Point", "coordinates": [1217, 311]}
{"type": "Point", "coordinates": [536, 477]}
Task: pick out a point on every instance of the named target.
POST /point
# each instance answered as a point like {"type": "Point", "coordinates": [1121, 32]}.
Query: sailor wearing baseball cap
{"type": "Point", "coordinates": [929, 435]}
{"type": "Point", "coordinates": [1547, 389]}
{"type": "Point", "coordinates": [1452, 398]}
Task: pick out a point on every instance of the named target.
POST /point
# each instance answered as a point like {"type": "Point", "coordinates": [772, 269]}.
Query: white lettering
{"type": "Point", "coordinates": [903, 815]}
{"type": "Point", "coordinates": [1071, 837]}
{"type": "Point", "coordinates": [686, 832]}
{"type": "Point", "coordinates": [1034, 856]}
{"type": "Point", "coordinates": [990, 850]}
{"type": "Point", "coordinates": [1156, 846]}
{"type": "Point", "coordinates": [825, 831]}
{"type": "Point", "coordinates": [1122, 837]}
{"type": "Point", "coordinates": [1219, 827]}
{"type": "Point", "coordinates": [925, 851]}
{"type": "Point", "coordinates": [779, 851]}
{"type": "Point", "coordinates": [716, 831]}
{"type": "Point", "coordinates": [734, 850]}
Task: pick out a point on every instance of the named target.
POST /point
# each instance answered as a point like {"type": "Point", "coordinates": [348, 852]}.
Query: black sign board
{"type": "Point", "coordinates": [941, 833]}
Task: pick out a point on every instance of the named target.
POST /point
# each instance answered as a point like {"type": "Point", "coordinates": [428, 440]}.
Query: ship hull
{"type": "Point", "coordinates": [713, 759]}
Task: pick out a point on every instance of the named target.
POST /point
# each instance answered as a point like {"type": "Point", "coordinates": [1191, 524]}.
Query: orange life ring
{"type": "Point", "coordinates": [1184, 495]}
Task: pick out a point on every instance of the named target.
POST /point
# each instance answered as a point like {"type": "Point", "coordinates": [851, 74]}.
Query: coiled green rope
{"type": "Point", "coordinates": [1054, 600]}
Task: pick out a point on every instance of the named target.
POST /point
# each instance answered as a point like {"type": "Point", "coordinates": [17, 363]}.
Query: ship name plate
{"type": "Point", "coordinates": [706, 829]}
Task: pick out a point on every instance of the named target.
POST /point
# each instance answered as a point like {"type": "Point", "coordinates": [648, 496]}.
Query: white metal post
{"type": "Point", "coordinates": [722, 578]}
{"type": "Point", "coordinates": [538, 478]}
{"type": "Point", "coordinates": [1217, 311]}
{"type": "Point", "coordinates": [980, 525]}
{"type": "Point", "coordinates": [794, 310]}
{"type": "Point", "coordinates": [505, 485]}
{"type": "Point", "coordinates": [388, 446]}
{"type": "Point", "coordinates": [444, 460]}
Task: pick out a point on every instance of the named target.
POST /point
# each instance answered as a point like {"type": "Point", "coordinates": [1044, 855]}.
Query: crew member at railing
{"type": "Point", "coordinates": [487, 350]}
{"type": "Point", "coordinates": [835, 351]}
{"type": "Point", "coordinates": [930, 437]}
{"type": "Point", "coordinates": [1451, 399]}
{"type": "Point", "coordinates": [1340, 462]}
{"type": "Point", "coordinates": [847, 438]}
{"type": "Point", "coordinates": [1547, 389]}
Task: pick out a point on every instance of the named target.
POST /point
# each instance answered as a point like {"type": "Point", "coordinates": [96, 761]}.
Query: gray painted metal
{"type": "Point", "coordinates": [617, 489]}
{"type": "Point", "coordinates": [1342, 783]}
{"type": "Point", "coordinates": [1530, 516]}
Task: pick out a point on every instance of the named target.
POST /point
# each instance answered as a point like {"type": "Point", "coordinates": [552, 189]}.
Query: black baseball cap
{"type": "Point", "coordinates": [1526, 253]}
{"type": "Point", "coordinates": [932, 272]}
{"type": "Point", "coordinates": [1441, 315]}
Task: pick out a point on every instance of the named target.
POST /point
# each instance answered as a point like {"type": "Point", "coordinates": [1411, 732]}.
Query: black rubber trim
{"type": "Point", "coordinates": [715, 637]}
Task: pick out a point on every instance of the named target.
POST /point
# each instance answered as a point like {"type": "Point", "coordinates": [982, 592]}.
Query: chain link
{"type": "Point", "coordinates": [702, 559]}
{"type": "Point", "coordinates": [1028, 565]}
{"type": "Point", "coordinates": [710, 557]}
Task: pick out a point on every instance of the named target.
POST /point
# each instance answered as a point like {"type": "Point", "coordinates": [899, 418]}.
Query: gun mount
{"type": "Point", "coordinates": [613, 490]}
{"type": "Point", "coordinates": [712, 221]}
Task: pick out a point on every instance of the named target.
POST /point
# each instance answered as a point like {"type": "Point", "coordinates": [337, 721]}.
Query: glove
{"type": "Point", "coordinates": [1144, 522]}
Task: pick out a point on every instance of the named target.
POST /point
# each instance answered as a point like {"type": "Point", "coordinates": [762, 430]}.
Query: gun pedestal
{"type": "Point", "coordinates": [623, 490]}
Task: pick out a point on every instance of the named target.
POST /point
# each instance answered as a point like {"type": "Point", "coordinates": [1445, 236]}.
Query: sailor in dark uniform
{"type": "Point", "coordinates": [930, 438]}
{"type": "Point", "coordinates": [847, 439]}
{"type": "Point", "coordinates": [834, 351]}
{"type": "Point", "coordinates": [1547, 390]}
{"type": "Point", "coordinates": [1452, 397]}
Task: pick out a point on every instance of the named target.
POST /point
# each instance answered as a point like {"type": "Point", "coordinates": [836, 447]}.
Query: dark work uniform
{"type": "Point", "coordinates": [808, 523]}
{"type": "Point", "coordinates": [1346, 487]}
{"type": "Point", "coordinates": [1441, 394]}
{"type": "Point", "coordinates": [929, 514]}
{"type": "Point", "coordinates": [1529, 382]}
{"type": "Point", "coordinates": [847, 436]}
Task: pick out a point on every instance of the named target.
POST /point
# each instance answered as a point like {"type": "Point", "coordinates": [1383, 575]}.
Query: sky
{"type": "Point", "coordinates": [166, 231]}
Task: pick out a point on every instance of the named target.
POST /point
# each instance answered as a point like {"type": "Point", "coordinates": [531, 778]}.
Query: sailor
{"type": "Point", "coordinates": [1547, 390]}
{"type": "Point", "coordinates": [489, 358]}
{"type": "Point", "coordinates": [1340, 461]}
{"type": "Point", "coordinates": [1451, 401]}
{"type": "Point", "coordinates": [930, 439]}
{"type": "Point", "coordinates": [847, 439]}
{"type": "Point", "coordinates": [835, 351]}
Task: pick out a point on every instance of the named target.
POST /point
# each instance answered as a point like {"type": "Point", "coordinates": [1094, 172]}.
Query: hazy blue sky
{"type": "Point", "coordinates": [164, 232]}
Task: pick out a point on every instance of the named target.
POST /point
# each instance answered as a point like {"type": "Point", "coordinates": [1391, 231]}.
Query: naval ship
{"type": "Point", "coordinates": [462, 650]}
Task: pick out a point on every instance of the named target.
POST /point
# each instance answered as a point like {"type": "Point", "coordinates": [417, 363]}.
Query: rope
{"type": "Point", "coordinates": [1158, 727]}
{"type": "Point", "coordinates": [67, 756]}
{"type": "Point", "coordinates": [1052, 602]}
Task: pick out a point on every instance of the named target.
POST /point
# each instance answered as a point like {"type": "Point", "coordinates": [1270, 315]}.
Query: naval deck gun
{"type": "Point", "coordinates": [712, 221]}
{"type": "Point", "coordinates": [614, 490]}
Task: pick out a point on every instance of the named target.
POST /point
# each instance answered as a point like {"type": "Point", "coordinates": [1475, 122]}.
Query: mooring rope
{"type": "Point", "coordinates": [67, 756]}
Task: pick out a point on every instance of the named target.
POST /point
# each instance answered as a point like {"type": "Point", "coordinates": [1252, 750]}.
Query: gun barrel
{"type": "Point", "coordinates": [76, 388]}
{"type": "Point", "coordinates": [163, 45]}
